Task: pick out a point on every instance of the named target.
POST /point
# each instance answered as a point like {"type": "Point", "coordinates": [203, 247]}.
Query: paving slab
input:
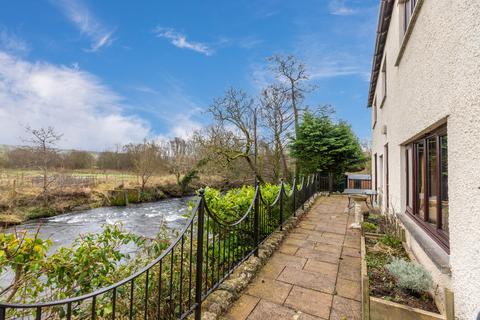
{"type": "Point", "coordinates": [310, 301]}
{"type": "Point", "coordinates": [343, 308]}
{"type": "Point", "coordinates": [308, 279]}
{"type": "Point", "coordinates": [243, 307]}
{"type": "Point", "coordinates": [269, 289]}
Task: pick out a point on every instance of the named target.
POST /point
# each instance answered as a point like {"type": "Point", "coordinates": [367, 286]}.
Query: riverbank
{"type": "Point", "coordinates": [23, 205]}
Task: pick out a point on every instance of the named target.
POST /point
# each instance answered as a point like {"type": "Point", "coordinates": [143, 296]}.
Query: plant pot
{"type": "Point", "coordinates": [378, 309]}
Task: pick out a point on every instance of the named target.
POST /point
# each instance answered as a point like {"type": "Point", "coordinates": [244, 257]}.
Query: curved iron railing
{"type": "Point", "coordinates": [174, 285]}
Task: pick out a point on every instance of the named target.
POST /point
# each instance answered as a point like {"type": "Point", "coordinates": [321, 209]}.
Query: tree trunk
{"type": "Point", "coordinates": [252, 167]}
{"type": "Point", "coordinates": [295, 118]}
{"type": "Point", "coordinates": [286, 174]}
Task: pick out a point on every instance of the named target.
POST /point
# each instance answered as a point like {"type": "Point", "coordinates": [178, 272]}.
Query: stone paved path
{"type": "Point", "coordinates": [314, 275]}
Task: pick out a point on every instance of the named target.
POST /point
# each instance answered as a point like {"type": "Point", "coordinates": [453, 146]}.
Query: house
{"type": "Point", "coordinates": [425, 104]}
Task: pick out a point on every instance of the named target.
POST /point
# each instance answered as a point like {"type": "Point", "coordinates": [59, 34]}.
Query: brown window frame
{"type": "Point", "coordinates": [439, 235]}
{"type": "Point", "coordinates": [387, 178]}
{"type": "Point", "coordinates": [407, 180]}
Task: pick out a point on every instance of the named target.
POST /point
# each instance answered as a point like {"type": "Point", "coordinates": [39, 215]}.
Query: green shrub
{"type": "Point", "coordinates": [369, 227]}
{"type": "Point", "coordinates": [391, 241]}
{"type": "Point", "coordinates": [40, 212]}
{"type": "Point", "coordinates": [233, 204]}
{"type": "Point", "coordinates": [409, 275]}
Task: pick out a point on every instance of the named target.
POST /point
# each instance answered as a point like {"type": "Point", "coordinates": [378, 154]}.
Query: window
{"type": "Point", "coordinates": [408, 7]}
{"type": "Point", "coordinates": [384, 81]}
{"type": "Point", "coordinates": [380, 181]}
{"type": "Point", "coordinates": [409, 174]}
{"type": "Point", "coordinates": [374, 112]}
{"type": "Point", "coordinates": [427, 203]}
{"type": "Point", "coordinates": [387, 201]}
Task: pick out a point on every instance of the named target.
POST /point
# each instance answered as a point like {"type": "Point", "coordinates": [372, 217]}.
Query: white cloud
{"type": "Point", "coordinates": [180, 41]}
{"type": "Point", "coordinates": [324, 61]}
{"type": "Point", "coordinates": [145, 89]}
{"type": "Point", "coordinates": [79, 14]}
{"type": "Point", "coordinates": [177, 112]}
{"type": "Point", "coordinates": [88, 113]}
{"type": "Point", "coordinates": [339, 8]}
{"type": "Point", "coordinates": [12, 43]}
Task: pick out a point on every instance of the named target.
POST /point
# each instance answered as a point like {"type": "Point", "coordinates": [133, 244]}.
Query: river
{"type": "Point", "coordinates": [143, 219]}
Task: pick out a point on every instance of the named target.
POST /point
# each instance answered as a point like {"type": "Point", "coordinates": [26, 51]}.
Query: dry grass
{"type": "Point", "coordinates": [20, 199]}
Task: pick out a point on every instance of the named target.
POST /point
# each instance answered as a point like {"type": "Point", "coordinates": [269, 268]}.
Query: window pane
{"type": "Point", "coordinates": [420, 179]}
{"type": "Point", "coordinates": [408, 12]}
{"type": "Point", "coordinates": [409, 177]}
{"type": "Point", "coordinates": [432, 181]}
{"type": "Point", "coordinates": [444, 181]}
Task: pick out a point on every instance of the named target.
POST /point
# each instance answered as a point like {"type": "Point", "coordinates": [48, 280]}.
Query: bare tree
{"type": "Point", "coordinates": [236, 109]}
{"type": "Point", "coordinates": [293, 74]}
{"type": "Point", "coordinates": [43, 142]}
{"type": "Point", "coordinates": [277, 118]}
{"type": "Point", "coordinates": [145, 158]}
{"type": "Point", "coordinates": [181, 158]}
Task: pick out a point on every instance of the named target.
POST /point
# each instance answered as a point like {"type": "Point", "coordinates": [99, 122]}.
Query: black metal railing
{"type": "Point", "coordinates": [174, 285]}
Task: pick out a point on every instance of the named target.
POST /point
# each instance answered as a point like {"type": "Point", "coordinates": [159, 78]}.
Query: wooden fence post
{"type": "Point", "coordinates": [449, 305]}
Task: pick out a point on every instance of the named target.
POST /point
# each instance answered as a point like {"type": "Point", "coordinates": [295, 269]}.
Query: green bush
{"type": "Point", "coordinates": [409, 275]}
{"type": "Point", "coordinates": [233, 204]}
{"type": "Point", "coordinates": [369, 227]}
{"type": "Point", "coordinates": [391, 241]}
{"type": "Point", "coordinates": [40, 212]}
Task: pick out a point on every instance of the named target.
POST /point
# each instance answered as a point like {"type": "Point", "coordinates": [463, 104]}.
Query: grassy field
{"type": "Point", "coordinates": [21, 191]}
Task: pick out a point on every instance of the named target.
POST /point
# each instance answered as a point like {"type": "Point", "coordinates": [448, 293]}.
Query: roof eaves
{"type": "Point", "coordinates": [384, 16]}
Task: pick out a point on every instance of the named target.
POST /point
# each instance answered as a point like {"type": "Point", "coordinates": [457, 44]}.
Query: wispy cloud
{"type": "Point", "coordinates": [337, 65]}
{"type": "Point", "coordinates": [86, 22]}
{"type": "Point", "coordinates": [340, 8]}
{"type": "Point", "coordinates": [91, 116]}
{"type": "Point", "coordinates": [325, 61]}
{"type": "Point", "coordinates": [180, 41]}
{"type": "Point", "coordinates": [145, 89]}
{"type": "Point", "coordinates": [174, 110]}
{"type": "Point", "coordinates": [249, 42]}
{"type": "Point", "coordinates": [10, 42]}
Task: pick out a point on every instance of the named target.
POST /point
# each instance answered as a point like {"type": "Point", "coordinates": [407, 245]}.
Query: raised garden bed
{"type": "Point", "coordinates": [382, 297]}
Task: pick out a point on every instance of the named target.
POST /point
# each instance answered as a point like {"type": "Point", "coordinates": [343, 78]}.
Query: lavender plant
{"type": "Point", "coordinates": [409, 275]}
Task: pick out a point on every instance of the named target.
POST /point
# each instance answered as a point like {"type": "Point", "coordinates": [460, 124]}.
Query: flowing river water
{"type": "Point", "coordinates": [142, 219]}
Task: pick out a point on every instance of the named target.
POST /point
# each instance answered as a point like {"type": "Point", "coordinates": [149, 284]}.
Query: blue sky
{"type": "Point", "coordinates": [109, 72]}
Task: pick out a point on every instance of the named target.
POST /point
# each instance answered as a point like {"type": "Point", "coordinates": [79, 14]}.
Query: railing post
{"type": "Point", "coordinates": [303, 193]}
{"type": "Point", "coordinates": [256, 218]}
{"type": "Point", "coordinates": [294, 191]}
{"type": "Point", "coordinates": [281, 204]}
{"type": "Point", "coordinates": [199, 265]}
{"type": "Point", "coordinates": [330, 182]}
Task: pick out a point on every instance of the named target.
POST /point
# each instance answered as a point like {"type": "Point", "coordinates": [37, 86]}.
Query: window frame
{"type": "Point", "coordinates": [407, 180]}
{"type": "Point", "coordinates": [383, 73]}
{"type": "Point", "coordinates": [437, 233]}
{"type": "Point", "coordinates": [408, 10]}
{"type": "Point", "coordinates": [387, 178]}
